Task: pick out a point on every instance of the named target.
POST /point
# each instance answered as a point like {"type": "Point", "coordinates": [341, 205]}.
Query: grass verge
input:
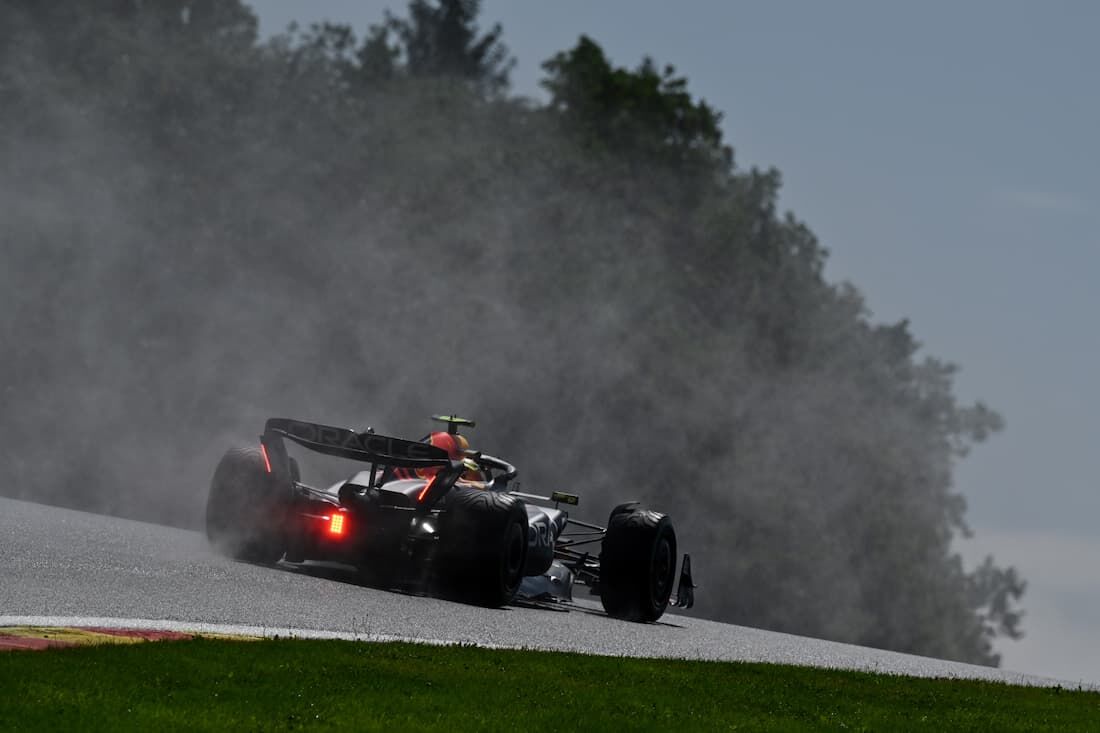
{"type": "Point", "coordinates": [321, 685]}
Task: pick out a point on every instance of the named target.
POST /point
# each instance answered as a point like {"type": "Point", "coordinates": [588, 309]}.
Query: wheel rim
{"type": "Point", "coordinates": [513, 557]}
{"type": "Point", "coordinates": [662, 571]}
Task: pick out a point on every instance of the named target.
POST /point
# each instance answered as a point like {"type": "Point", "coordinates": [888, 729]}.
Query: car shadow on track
{"type": "Point", "coordinates": [348, 574]}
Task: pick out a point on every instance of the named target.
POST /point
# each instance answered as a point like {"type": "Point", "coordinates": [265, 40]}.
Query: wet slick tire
{"type": "Point", "coordinates": [483, 541]}
{"type": "Point", "coordinates": [637, 564]}
{"type": "Point", "coordinates": [245, 513]}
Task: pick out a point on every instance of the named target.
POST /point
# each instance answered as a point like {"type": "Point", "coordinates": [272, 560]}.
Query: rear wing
{"type": "Point", "coordinates": [368, 446]}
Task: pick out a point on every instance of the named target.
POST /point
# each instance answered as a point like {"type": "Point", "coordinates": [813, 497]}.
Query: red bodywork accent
{"type": "Point", "coordinates": [424, 491]}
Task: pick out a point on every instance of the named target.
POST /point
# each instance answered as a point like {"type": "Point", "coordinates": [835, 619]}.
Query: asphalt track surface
{"type": "Point", "coordinates": [78, 568]}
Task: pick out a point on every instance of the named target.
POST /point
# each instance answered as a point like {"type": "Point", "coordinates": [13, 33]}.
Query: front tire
{"type": "Point", "coordinates": [245, 513]}
{"type": "Point", "coordinates": [483, 536]}
{"type": "Point", "coordinates": [637, 564]}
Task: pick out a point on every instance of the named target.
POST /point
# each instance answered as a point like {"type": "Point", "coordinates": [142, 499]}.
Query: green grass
{"type": "Point", "coordinates": [319, 685]}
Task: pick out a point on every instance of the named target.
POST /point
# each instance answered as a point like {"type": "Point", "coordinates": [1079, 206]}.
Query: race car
{"type": "Point", "coordinates": [424, 518]}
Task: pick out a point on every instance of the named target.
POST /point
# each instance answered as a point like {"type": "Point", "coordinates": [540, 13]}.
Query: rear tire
{"type": "Point", "coordinates": [637, 564]}
{"type": "Point", "coordinates": [628, 507]}
{"type": "Point", "coordinates": [245, 512]}
{"type": "Point", "coordinates": [483, 545]}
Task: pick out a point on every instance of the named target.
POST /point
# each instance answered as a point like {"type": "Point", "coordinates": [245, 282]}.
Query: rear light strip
{"type": "Point", "coordinates": [267, 461]}
{"type": "Point", "coordinates": [336, 524]}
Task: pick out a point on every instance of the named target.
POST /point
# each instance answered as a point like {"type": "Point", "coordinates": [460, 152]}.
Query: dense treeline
{"type": "Point", "coordinates": [200, 230]}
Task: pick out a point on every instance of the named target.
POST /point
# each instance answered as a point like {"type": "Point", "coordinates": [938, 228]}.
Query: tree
{"type": "Point", "coordinates": [867, 504]}
{"type": "Point", "coordinates": [441, 39]}
{"type": "Point", "coordinates": [190, 216]}
{"type": "Point", "coordinates": [645, 113]}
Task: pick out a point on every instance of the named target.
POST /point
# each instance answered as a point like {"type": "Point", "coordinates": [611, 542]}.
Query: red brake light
{"type": "Point", "coordinates": [336, 525]}
{"type": "Point", "coordinates": [267, 461]}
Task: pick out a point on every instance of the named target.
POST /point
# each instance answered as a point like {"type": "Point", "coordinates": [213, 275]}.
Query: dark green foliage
{"type": "Point", "coordinates": [646, 114]}
{"type": "Point", "coordinates": [440, 39]}
{"type": "Point", "coordinates": [202, 231]}
{"type": "Point", "coordinates": [291, 685]}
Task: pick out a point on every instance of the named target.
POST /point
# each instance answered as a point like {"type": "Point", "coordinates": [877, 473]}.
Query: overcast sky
{"type": "Point", "coordinates": [946, 155]}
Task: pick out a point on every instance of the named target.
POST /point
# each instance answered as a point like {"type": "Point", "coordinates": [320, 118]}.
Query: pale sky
{"type": "Point", "coordinates": [946, 154]}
